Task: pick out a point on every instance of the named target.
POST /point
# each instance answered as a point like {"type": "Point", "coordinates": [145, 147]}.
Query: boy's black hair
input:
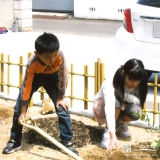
{"type": "Point", "coordinates": [134, 69]}
{"type": "Point", "coordinates": [47, 43]}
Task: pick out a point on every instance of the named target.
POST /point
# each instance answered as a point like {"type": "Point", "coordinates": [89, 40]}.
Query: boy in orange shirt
{"type": "Point", "coordinates": [47, 68]}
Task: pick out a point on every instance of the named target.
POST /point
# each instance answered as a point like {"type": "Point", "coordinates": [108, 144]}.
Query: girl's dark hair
{"type": "Point", "coordinates": [47, 43]}
{"type": "Point", "coordinates": [134, 69]}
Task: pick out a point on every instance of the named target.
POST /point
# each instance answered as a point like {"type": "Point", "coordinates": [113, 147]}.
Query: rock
{"type": "Point", "coordinates": [47, 107]}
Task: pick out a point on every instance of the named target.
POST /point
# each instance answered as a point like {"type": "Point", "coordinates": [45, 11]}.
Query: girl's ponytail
{"type": "Point", "coordinates": [118, 84]}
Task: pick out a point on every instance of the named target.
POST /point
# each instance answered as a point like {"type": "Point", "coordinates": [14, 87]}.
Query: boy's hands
{"type": "Point", "coordinates": [23, 114]}
{"type": "Point", "coordinates": [113, 141]}
{"type": "Point", "coordinates": [22, 117]}
{"type": "Point", "coordinates": [63, 102]}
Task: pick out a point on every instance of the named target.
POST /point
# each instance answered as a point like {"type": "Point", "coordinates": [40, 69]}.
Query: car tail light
{"type": "Point", "coordinates": [127, 20]}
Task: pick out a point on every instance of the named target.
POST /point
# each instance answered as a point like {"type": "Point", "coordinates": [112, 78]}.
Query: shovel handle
{"type": "Point", "coordinates": [33, 123]}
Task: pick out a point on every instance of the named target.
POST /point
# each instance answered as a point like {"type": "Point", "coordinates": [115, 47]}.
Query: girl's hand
{"type": "Point", "coordinates": [113, 141]}
{"type": "Point", "coordinates": [131, 99]}
{"type": "Point", "coordinates": [63, 102]}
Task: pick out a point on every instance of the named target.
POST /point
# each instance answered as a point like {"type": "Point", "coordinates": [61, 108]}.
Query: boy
{"type": "Point", "coordinates": [47, 68]}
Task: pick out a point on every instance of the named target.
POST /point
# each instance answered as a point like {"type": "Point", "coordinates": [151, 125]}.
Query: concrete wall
{"type": "Point", "coordinates": [101, 9]}
{"type": "Point", "coordinates": [21, 9]}
{"type": "Point", "coordinates": [6, 13]}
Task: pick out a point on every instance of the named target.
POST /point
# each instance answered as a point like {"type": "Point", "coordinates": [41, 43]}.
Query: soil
{"type": "Point", "coordinates": [86, 138]}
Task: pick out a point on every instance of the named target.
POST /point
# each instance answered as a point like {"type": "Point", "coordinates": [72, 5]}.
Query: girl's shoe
{"type": "Point", "coordinates": [105, 139]}
{"type": "Point", "coordinates": [122, 130]}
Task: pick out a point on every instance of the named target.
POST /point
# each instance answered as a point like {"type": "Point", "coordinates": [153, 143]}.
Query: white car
{"type": "Point", "coordinates": [139, 36]}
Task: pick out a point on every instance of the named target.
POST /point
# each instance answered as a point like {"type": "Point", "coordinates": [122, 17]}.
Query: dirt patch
{"type": "Point", "coordinates": [87, 137]}
{"type": "Point", "coordinates": [83, 134]}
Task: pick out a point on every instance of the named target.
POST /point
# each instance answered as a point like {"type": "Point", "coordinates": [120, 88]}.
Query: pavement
{"type": "Point", "coordinates": [51, 15]}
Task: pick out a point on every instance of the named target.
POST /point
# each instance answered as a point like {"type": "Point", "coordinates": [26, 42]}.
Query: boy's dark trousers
{"type": "Point", "coordinates": [50, 84]}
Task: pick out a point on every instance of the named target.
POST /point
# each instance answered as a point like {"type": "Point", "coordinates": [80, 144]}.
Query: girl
{"type": "Point", "coordinates": [128, 95]}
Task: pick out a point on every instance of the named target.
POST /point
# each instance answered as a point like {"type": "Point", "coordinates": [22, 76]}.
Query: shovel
{"type": "Point", "coordinates": [48, 137]}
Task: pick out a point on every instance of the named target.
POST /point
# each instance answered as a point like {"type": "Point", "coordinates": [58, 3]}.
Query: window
{"type": "Point", "coordinates": [152, 3]}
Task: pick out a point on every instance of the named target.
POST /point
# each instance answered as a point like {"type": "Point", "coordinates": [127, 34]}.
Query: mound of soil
{"type": "Point", "coordinates": [83, 134]}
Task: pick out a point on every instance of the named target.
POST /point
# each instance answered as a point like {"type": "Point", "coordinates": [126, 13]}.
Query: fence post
{"type": "Point", "coordinates": [8, 76]}
{"type": "Point", "coordinates": [99, 72]}
{"type": "Point", "coordinates": [102, 73]}
{"type": "Point", "coordinates": [95, 78]}
{"type": "Point", "coordinates": [85, 87]}
{"type": "Point", "coordinates": [31, 100]}
{"type": "Point", "coordinates": [99, 76]}
{"type": "Point", "coordinates": [2, 72]}
{"type": "Point", "coordinates": [29, 54]}
{"type": "Point", "coordinates": [72, 81]}
{"type": "Point", "coordinates": [42, 93]}
{"type": "Point", "coordinates": [155, 98]}
{"type": "Point", "coordinates": [159, 119]}
{"type": "Point", "coordinates": [20, 70]}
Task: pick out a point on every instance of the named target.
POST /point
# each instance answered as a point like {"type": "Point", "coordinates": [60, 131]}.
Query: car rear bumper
{"type": "Point", "coordinates": [128, 47]}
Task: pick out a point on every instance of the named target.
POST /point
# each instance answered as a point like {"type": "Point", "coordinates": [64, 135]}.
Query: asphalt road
{"type": "Point", "coordinates": [84, 27]}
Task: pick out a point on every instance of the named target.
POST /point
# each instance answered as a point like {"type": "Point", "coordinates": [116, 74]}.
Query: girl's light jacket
{"type": "Point", "coordinates": [105, 103]}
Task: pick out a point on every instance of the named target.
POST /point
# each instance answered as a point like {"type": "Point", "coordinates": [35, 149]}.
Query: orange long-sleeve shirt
{"type": "Point", "coordinates": [36, 66]}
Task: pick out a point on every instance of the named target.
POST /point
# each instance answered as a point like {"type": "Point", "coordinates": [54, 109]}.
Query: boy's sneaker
{"type": "Point", "coordinates": [70, 146]}
{"type": "Point", "coordinates": [105, 139]}
{"type": "Point", "coordinates": [122, 130]}
{"type": "Point", "coordinates": [12, 146]}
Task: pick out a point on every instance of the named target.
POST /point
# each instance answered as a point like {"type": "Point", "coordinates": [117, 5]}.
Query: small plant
{"type": "Point", "coordinates": [147, 120]}
{"type": "Point", "coordinates": [143, 115]}
{"type": "Point", "coordinates": [158, 144]}
{"type": "Point", "coordinates": [155, 145]}
{"type": "Point", "coordinates": [136, 114]}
